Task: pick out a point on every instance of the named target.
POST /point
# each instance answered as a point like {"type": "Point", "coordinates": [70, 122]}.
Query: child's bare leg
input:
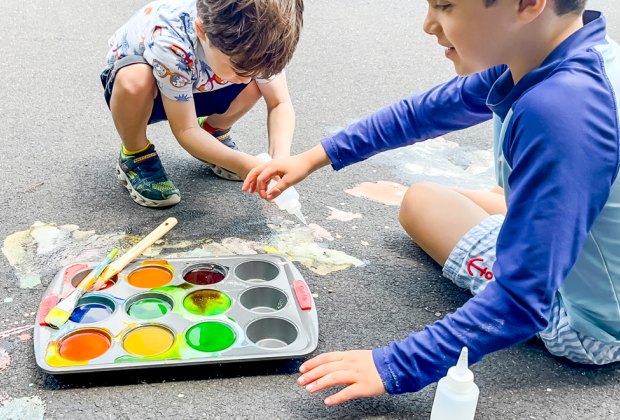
{"type": "Point", "coordinates": [131, 103]}
{"type": "Point", "coordinates": [437, 217]}
{"type": "Point", "coordinates": [493, 201]}
{"type": "Point", "coordinates": [237, 109]}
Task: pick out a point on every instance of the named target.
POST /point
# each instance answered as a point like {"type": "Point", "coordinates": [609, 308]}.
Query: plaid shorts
{"type": "Point", "coordinates": [470, 266]}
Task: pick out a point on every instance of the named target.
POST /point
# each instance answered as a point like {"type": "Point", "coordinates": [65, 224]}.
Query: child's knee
{"type": "Point", "coordinates": [135, 81]}
{"type": "Point", "coordinates": [415, 201]}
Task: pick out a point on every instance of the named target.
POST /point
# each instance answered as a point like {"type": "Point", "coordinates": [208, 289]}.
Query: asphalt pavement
{"type": "Point", "coordinates": [59, 150]}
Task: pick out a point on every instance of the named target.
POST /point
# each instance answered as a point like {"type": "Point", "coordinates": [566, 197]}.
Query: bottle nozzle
{"type": "Point", "coordinates": [300, 216]}
{"type": "Point", "coordinates": [462, 364]}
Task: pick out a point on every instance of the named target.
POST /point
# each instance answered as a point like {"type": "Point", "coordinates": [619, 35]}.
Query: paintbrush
{"type": "Point", "coordinates": [122, 261]}
{"type": "Point", "coordinates": [61, 312]}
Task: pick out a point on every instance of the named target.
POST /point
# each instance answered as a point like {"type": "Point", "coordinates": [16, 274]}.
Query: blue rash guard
{"type": "Point", "coordinates": [557, 156]}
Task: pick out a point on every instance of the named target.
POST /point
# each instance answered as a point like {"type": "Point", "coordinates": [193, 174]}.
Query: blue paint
{"type": "Point", "coordinates": [90, 312]}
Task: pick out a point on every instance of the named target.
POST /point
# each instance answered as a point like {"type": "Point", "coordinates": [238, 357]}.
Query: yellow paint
{"type": "Point", "coordinates": [149, 340]}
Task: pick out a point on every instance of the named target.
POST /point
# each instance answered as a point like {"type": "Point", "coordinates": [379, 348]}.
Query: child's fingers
{"type": "Point", "coordinates": [249, 183]}
{"type": "Point", "coordinates": [277, 189]}
{"type": "Point", "coordinates": [318, 372]}
{"type": "Point", "coordinates": [319, 360]}
{"type": "Point", "coordinates": [352, 391]}
{"type": "Point", "coordinates": [339, 377]}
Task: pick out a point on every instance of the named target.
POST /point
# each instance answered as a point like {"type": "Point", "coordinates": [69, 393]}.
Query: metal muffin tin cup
{"type": "Point", "coordinates": [271, 315]}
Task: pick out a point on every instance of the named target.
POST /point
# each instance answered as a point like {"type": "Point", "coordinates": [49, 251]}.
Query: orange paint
{"type": "Point", "coordinates": [149, 340]}
{"type": "Point", "coordinates": [150, 277]}
{"type": "Point", "coordinates": [84, 345]}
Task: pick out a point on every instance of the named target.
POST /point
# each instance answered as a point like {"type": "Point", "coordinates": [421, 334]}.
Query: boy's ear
{"type": "Point", "coordinates": [198, 27]}
{"type": "Point", "coordinates": [531, 9]}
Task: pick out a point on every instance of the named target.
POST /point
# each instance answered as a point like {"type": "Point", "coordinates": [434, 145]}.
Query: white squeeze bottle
{"type": "Point", "coordinates": [289, 199]}
{"type": "Point", "coordinates": [457, 394]}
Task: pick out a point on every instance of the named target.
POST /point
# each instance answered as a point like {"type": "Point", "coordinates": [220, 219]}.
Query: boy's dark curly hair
{"type": "Point", "coordinates": [562, 7]}
{"type": "Point", "coordinates": [259, 36]}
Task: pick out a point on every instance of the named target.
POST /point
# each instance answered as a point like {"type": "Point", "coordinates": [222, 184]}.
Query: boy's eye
{"type": "Point", "coordinates": [445, 6]}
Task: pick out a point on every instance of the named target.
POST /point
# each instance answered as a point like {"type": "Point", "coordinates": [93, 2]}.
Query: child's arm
{"type": "Point", "coordinates": [280, 115]}
{"type": "Point", "coordinates": [202, 145]}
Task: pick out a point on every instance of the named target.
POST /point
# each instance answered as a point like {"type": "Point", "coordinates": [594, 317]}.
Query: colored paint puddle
{"type": "Point", "coordinates": [84, 345]}
{"type": "Point", "coordinates": [149, 340]}
{"type": "Point", "coordinates": [149, 308]}
{"type": "Point", "coordinates": [204, 276]}
{"type": "Point", "coordinates": [150, 277]}
{"type": "Point", "coordinates": [210, 336]}
{"type": "Point", "coordinates": [174, 353]}
{"type": "Point", "coordinates": [90, 312]}
{"type": "Point", "coordinates": [206, 302]}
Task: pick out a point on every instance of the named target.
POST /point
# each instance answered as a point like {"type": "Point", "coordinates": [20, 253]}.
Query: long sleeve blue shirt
{"type": "Point", "coordinates": [556, 148]}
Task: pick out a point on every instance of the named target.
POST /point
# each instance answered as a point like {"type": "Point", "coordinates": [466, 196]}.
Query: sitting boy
{"type": "Point", "coordinates": [178, 59]}
{"type": "Point", "coordinates": [543, 259]}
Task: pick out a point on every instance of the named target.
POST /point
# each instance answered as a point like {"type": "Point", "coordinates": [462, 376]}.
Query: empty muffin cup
{"type": "Point", "coordinates": [263, 299]}
{"type": "Point", "coordinates": [257, 271]}
{"type": "Point", "coordinates": [272, 333]}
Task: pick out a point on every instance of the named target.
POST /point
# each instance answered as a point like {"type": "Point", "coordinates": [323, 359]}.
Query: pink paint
{"type": "Point", "coordinates": [15, 331]}
{"type": "Point", "coordinates": [385, 192]}
{"type": "Point", "coordinates": [24, 337]}
{"type": "Point", "coordinates": [5, 359]}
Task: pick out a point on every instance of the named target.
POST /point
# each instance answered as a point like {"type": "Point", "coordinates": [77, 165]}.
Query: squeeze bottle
{"type": "Point", "coordinates": [457, 394]}
{"type": "Point", "coordinates": [289, 199]}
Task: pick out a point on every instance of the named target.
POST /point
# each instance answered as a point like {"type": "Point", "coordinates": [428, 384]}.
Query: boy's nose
{"type": "Point", "coordinates": [430, 25]}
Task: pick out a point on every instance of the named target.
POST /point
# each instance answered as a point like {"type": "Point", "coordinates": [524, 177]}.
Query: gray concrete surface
{"type": "Point", "coordinates": [57, 166]}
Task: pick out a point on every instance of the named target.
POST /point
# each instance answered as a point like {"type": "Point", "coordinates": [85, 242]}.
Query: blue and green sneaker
{"type": "Point", "coordinates": [145, 179]}
{"type": "Point", "coordinates": [224, 137]}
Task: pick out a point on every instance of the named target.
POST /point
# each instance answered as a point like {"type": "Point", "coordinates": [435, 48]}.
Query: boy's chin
{"type": "Point", "coordinates": [462, 70]}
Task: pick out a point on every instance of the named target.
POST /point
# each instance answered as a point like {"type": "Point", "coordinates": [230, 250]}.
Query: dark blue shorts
{"type": "Point", "coordinates": [207, 103]}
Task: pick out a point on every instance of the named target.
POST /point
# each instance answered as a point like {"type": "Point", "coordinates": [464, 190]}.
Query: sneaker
{"type": "Point", "coordinates": [224, 137]}
{"type": "Point", "coordinates": [145, 179]}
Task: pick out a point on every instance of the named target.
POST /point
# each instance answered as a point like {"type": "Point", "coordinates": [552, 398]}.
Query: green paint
{"type": "Point", "coordinates": [206, 302]}
{"type": "Point", "coordinates": [175, 291]}
{"type": "Point", "coordinates": [149, 308]}
{"type": "Point", "coordinates": [210, 336]}
{"type": "Point", "coordinates": [29, 280]}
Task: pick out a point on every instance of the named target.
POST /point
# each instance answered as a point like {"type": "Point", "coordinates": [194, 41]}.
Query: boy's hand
{"type": "Point", "coordinates": [288, 171]}
{"type": "Point", "coordinates": [355, 369]}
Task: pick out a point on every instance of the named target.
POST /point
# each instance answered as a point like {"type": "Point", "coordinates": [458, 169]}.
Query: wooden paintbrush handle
{"type": "Point", "coordinates": [135, 251]}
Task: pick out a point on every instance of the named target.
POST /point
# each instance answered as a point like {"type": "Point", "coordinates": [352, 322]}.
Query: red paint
{"type": "Point", "coordinates": [84, 345]}
{"type": "Point", "coordinates": [302, 294]}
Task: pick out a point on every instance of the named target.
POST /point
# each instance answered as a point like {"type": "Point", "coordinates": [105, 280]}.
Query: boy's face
{"type": "Point", "coordinates": [475, 37]}
{"type": "Point", "coordinates": [217, 60]}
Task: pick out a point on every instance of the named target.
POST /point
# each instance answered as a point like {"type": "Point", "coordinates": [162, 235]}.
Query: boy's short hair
{"type": "Point", "coordinates": [259, 36]}
{"type": "Point", "coordinates": [562, 7]}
